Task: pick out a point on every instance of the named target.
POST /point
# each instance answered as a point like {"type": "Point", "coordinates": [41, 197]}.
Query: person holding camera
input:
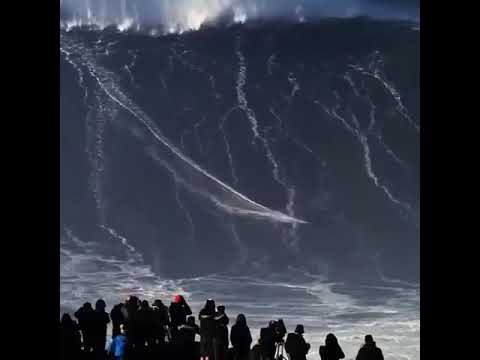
{"type": "Point", "coordinates": [268, 340]}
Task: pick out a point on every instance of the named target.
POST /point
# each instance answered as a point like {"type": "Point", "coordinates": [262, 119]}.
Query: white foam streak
{"type": "Point", "coordinates": [373, 177]}
{"type": "Point", "coordinates": [375, 72]}
{"type": "Point", "coordinates": [350, 81]}
{"type": "Point", "coordinates": [271, 63]}
{"type": "Point", "coordinates": [227, 145]}
{"type": "Point", "coordinates": [86, 274]}
{"type": "Point", "coordinates": [123, 240]}
{"type": "Point", "coordinates": [241, 247]}
{"type": "Point", "coordinates": [78, 70]}
{"type": "Point", "coordinates": [295, 86]}
{"type": "Point", "coordinates": [241, 96]}
{"type": "Point", "coordinates": [356, 131]}
{"type": "Point", "coordinates": [188, 216]}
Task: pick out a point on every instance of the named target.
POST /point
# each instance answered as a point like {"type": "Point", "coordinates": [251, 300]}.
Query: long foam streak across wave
{"type": "Point", "coordinates": [106, 82]}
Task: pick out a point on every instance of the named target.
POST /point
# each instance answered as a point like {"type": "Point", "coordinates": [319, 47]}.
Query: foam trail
{"type": "Point", "coordinates": [188, 216]}
{"type": "Point", "coordinates": [182, 139]}
{"type": "Point", "coordinates": [349, 79]}
{"type": "Point", "coordinates": [122, 239]}
{"type": "Point", "coordinates": [241, 96]}
{"type": "Point", "coordinates": [355, 131]}
{"type": "Point", "coordinates": [190, 65]}
{"type": "Point", "coordinates": [295, 86]}
{"type": "Point", "coordinates": [275, 115]}
{"type": "Point", "coordinates": [95, 123]}
{"type": "Point", "coordinates": [79, 72]}
{"type": "Point", "coordinates": [197, 135]}
{"type": "Point", "coordinates": [373, 177]}
{"type": "Point", "coordinates": [390, 152]}
{"type": "Point", "coordinates": [87, 274]}
{"type": "Point", "coordinates": [108, 85]}
{"type": "Point", "coordinates": [227, 145]}
{"type": "Point", "coordinates": [376, 73]}
{"type": "Point", "coordinates": [290, 190]}
{"type": "Point", "coordinates": [373, 109]}
{"type": "Point", "coordinates": [233, 210]}
{"type": "Point", "coordinates": [378, 137]}
{"type": "Point", "coordinates": [305, 147]}
{"type": "Point", "coordinates": [295, 140]}
{"type": "Point", "coordinates": [271, 63]}
{"type": "Point", "coordinates": [241, 247]}
{"type": "Point", "coordinates": [128, 68]}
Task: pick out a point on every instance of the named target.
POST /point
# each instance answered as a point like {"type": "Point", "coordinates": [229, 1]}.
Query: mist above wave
{"type": "Point", "coordinates": [163, 16]}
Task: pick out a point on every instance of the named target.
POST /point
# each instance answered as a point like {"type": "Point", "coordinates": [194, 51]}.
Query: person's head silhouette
{"type": "Point", "coordinates": [210, 305]}
{"type": "Point", "coordinates": [369, 340]}
{"type": "Point", "coordinates": [241, 319]}
{"type": "Point", "coordinates": [66, 319]}
{"type": "Point", "coordinates": [191, 321]}
{"type": "Point", "coordinates": [299, 329]}
{"type": "Point", "coordinates": [331, 340]}
{"type": "Point", "coordinates": [100, 305]}
{"type": "Point", "coordinates": [157, 303]}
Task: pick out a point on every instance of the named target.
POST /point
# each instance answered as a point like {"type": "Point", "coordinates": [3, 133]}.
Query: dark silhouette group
{"type": "Point", "coordinates": [144, 332]}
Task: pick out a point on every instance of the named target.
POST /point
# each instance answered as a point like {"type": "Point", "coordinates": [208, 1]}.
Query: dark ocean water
{"type": "Point", "coordinates": [273, 166]}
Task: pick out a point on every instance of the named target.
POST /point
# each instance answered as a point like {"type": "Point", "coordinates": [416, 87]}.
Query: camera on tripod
{"type": "Point", "coordinates": [280, 331]}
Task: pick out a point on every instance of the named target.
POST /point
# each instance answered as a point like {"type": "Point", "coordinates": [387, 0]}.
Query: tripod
{"type": "Point", "coordinates": [279, 351]}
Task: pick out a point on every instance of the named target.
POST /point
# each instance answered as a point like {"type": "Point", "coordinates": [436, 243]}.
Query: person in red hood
{"type": "Point", "coordinates": [179, 310]}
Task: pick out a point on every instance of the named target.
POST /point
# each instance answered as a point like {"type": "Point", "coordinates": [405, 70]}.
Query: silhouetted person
{"type": "Point", "coordinates": [207, 330]}
{"type": "Point", "coordinates": [119, 346]}
{"type": "Point", "coordinates": [70, 339]}
{"type": "Point", "coordinates": [241, 339]}
{"type": "Point", "coordinates": [331, 350]}
{"type": "Point", "coordinates": [145, 324]}
{"type": "Point", "coordinates": [85, 320]}
{"type": "Point", "coordinates": [267, 341]}
{"type": "Point", "coordinates": [187, 332]}
{"type": "Point", "coordinates": [100, 320]}
{"type": "Point", "coordinates": [369, 351]}
{"type": "Point", "coordinates": [185, 340]}
{"type": "Point", "coordinates": [160, 322]}
{"type": "Point", "coordinates": [117, 318]}
{"type": "Point", "coordinates": [256, 352]}
{"type": "Point", "coordinates": [130, 311]}
{"type": "Point", "coordinates": [221, 333]}
{"type": "Point", "coordinates": [296, 346]}
{"type": "Point", "coordinates": [179, 310]}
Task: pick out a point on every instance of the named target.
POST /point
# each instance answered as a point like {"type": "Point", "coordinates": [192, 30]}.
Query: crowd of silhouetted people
{"type": "Point", "coordinates": [144, 332]}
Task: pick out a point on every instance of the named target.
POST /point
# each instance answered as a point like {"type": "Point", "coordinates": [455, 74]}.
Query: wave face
{"type": "Point", "coordinates": [264, 149]}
